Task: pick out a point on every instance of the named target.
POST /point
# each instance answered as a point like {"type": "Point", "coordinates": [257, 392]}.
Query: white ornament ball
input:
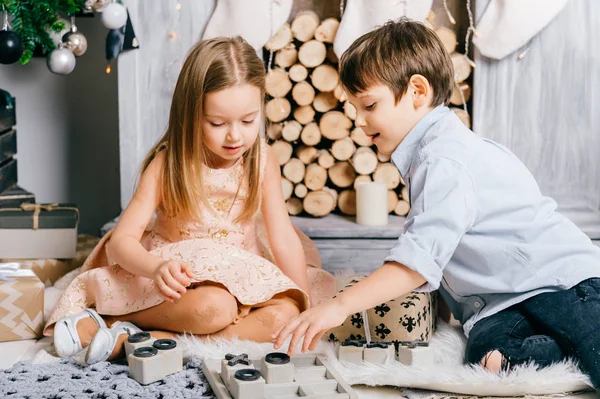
{"type": "Point", "coordinates": [114, 16]}
{"type": "Point", "coordinates": [75, 42]}
{"type": "Point", "coordinates": [61, 61]}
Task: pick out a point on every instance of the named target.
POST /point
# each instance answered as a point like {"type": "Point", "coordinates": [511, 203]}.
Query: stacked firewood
{"type": "Point", "coordinates": [323, 155]}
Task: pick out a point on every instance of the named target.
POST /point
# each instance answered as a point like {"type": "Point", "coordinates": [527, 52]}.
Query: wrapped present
{"type": "Point", "coordinates": [8, 174]}
{"type": "Point", "coordinates": [21, 303]}
{"type": "Point", "coordinates": [8, 145]}
{"type": "Point", "coordinates": [14, 197]}
{"type": "Point", "coordinates": [49, 271]}
{"type": "Point", "coordinates": [410, 318]}
{"type": "Point", "coordinates": [34, 231]}
{"type": "Point", "coordinates": [8, 114]}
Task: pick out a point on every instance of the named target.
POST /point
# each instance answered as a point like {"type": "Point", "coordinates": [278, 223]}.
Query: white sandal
{"type": "Point", "coordinates": [66, 337]}
{"type": "Point", "coordinates": [105, 339]}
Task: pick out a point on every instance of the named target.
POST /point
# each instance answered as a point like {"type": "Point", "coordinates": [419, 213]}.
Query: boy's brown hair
{"type": "Point", "coordinates": [391, 54]}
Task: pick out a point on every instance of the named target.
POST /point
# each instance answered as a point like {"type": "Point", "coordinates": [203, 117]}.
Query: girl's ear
{"type": "Point", "coordinates": [422, 91]}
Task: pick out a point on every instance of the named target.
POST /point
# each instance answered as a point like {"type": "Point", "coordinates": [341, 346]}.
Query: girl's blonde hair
{"type": "Point", "coordinates": [211, 65]}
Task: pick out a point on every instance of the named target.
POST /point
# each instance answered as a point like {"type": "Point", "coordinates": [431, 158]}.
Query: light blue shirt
{"type": "Point", "coordinates": [479, 229]}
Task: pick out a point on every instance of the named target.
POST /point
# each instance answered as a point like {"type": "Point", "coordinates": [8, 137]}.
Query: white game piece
{"type": "Point", "coordinates": [277, 369]}
{"type": "Point", "coordinates": [416, 354]}
{"type": "Point", "coordinates": [379, 353]}
{"type": "Point", "coordinates": [247, 384]}
{"type": "Point", "coordinates": [351, 352]}
{"type": "Point", "coordinates": [149, 364]}
{"type": "Point", "coordinates": [233, 363]}
{"type": "Point", "coordinates": [137, 340]}
{"type": "Point", "coordinates": [314, 378]}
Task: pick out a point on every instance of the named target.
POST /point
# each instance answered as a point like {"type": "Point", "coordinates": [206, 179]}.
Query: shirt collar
{"type": "Point", "coordinates": [403, 154]}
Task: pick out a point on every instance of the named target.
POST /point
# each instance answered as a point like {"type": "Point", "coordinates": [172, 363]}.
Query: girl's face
{"type": "Point", "coordinates": [231, 123]}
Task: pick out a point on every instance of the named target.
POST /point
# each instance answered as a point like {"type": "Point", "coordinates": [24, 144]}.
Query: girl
{"type": "Point", "coordinates": [221, 258]}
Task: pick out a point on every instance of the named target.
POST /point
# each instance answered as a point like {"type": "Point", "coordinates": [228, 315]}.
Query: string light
{"type": "Point", "coordinates": [523, 53]}
{"type": "Point", "coordinates": [108, 69]}
{"type": "Point", "coordinates": [462, 96]}
{"type": "Point", "coordinates": [470, 30]}
{"type": "Point", "coordinates": [450, 17]}
{"type": "Point", "coordinates": [173, 69]}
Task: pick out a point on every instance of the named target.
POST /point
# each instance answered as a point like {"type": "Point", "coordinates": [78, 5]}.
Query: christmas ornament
{"type": "Point", "coordinates": [74, 40]}
{"type": "Point", "coordinates": [98, 5]}
{"type": "Point", "coordinates": [114, 44]}
{"type": "Point", "coordinates": [57, 37]}
{"type": "Point", "coordinates": [114, 16]}
{"type": "Point", "coordinates": [61, 61]}
{"type": "Point", "coordinates": [11, 47]}
{"type": "Point", "coordinates": [130, 41]}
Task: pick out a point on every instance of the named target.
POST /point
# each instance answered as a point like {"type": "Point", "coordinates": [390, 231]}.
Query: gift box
{"type": "Point", "coordinates": [8, 174]}
{"type": "Point", "coordinates": [35, 231]}
{"type": "Point", "coordinates": [8, 114]}
{"type": "Point", "coordinates": [8, 145]}
{"type": "Point", "coordinates": [49, 271]}
{"type": "Point", "coordinates": [21, 304]}
{"type": "Point", "coordinates": [410, 318]}
{"type": "Point", "coordinates": [14, 197]}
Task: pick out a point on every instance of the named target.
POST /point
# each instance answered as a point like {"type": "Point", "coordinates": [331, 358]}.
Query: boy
{"type": "Point", "coordinates": [520, 277]}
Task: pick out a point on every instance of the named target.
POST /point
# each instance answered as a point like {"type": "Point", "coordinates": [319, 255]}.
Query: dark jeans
{"type": "Point", "coordinates": [545, 329]}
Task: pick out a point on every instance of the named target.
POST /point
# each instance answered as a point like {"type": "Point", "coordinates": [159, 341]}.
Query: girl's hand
{"type": "Point", "coordinates": [171, 277]}
{"type": "Point", "coordinates": [311, 325]}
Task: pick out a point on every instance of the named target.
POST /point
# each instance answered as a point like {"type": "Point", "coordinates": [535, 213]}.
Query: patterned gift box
{"type": "Point", "coordinates": [49, 271]}
{"type": "Point", "coordinates": [405, 319]}
{"type": "Point", "coordinates": [21, 303]}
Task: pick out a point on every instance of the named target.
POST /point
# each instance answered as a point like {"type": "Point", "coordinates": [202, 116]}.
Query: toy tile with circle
{"type": "Point", "coordinates": [153, 362]}
{"type": "Point", "coordinates": [276, 376]}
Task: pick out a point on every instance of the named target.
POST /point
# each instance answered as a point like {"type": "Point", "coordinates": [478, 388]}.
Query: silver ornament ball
{"type": "Point", "coordinates": [76, 42]}
{"type": "Point", "coordinates": [61, 61]}
{"type": "Point", "coordinates": [114, 16]}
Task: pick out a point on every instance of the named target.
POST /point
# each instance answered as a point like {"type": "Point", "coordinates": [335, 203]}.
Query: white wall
{"type": "Point", "coordinates": [67, 130]}
{"type": "Point", "coordinates": [544, 108]}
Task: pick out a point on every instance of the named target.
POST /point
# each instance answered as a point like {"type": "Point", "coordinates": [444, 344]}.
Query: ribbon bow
{"type": "Point", "coordinates": [13, 269]}
{"type": "Point", "coordinates": [36, 208]}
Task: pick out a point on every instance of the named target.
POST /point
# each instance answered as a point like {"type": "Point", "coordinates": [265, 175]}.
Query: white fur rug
{"type": "Point", "coordinates": [448, 375]}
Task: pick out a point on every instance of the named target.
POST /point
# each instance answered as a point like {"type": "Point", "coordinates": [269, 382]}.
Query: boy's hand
{"type": "Point", "coordinates": [171, 277]}
{"type": "Point", "coordinates": [311, 325]}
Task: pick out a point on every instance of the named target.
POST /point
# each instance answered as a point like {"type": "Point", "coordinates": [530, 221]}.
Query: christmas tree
{"type": "Point", "coordinates": [33, 19]}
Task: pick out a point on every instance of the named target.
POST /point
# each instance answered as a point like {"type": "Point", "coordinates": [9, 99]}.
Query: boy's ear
{"type": "Point", "coordinates": [422, 91]}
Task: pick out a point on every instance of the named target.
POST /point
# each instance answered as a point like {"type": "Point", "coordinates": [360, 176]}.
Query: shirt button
{"type": "Point", "coordinates": [477, 304]}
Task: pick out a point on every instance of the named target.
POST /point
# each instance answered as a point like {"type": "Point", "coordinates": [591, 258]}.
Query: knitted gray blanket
{"type": "Point", "coordinates": [68, 380]}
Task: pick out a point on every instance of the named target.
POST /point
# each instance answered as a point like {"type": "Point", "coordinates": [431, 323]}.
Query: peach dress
{"type": "Point", "coordinates": [236, 255]}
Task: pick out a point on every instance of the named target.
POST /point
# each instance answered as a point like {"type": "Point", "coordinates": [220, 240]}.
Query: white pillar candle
{"type": "Point", "coordinates": [371, 204]}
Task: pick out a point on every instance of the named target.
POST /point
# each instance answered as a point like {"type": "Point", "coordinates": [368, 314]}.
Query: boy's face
{"type": "Point", "coordinates": [382, 119]}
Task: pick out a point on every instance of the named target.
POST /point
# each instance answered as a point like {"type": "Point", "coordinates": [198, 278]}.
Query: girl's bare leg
{"type": "Point", "coordinates": [261, 322]}
{"type": "Point", "coordinates": [202, 310]}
